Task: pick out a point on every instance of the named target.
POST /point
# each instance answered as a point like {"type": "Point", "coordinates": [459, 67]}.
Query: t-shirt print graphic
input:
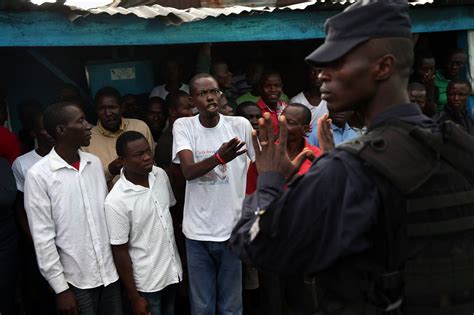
{"type": "Point", "coordinates": [217, 176]}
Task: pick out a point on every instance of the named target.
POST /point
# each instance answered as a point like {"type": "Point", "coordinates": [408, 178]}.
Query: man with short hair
{"type": "Point", "coordinates": [271, 87]}
{"type": "Point", "coordinates": [379, 219]}
{"type": "Point", "coordinates": [341, 131]}
{"type": "Point", "coordinates": [250, 111]}
{"type": "Point", "coordinates": [110, 125]}
{"type": "Point", "coordinates": [452, 69]}
{"type": "Point", "coordinates": [155, 115]}
{"type": "Point", "coordinates": [311, 97]}
{"type": "Point", "coordinates": [417, 94]}
{"type": "Point", "coordinates": [424, 71]}
{"type": "Point", "coordinates": [458, 92]}
{"type": "Point", "coordinates": [64, 201]}
{"type": "Point", "coordinates": [139, 221]}
{"type": "Point", "coordinates": [210, 148]}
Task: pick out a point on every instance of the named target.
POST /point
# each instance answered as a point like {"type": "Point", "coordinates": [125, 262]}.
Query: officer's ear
{"type": "Point", "coordinates": [384, 67]}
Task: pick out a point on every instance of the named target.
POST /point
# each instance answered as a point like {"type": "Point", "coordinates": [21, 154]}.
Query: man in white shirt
{"type": "Point", "coordinates": [210, 148]}
{"type": "Point", "coordinates": [64, 201]}
{"type": "Point", "coordinates": [35, 294]}
{"type": "Point", "coordinates": [311, 97]}
{"type": "Point", "coordinates": [141, 229]}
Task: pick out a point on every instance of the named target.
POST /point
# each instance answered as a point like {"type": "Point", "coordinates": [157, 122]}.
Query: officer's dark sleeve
{"type": "Point", "coordinates": [323, 216]}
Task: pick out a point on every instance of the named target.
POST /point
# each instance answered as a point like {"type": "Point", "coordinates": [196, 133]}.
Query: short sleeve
{"type": "Point", "coordinates": [249, 141]}
{"type": "Point", "coordinates": [170, 190]}
{"type": "Point", "coordinates": [181, 140]}
{"type": "Point", "coordinates": [118, 224]}
{"type": "Point", "coordinates": [19, 176]}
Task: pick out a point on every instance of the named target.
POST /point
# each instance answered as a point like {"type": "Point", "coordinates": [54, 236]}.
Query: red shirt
{"type": "Point", "coordinates": [281, 105]}
{"type": "Point", "coordinates": [10, 147]}
{"type": "Point", "coordinates": [307, 164]}
{"type": "Point", "coordinates": [252, 173]}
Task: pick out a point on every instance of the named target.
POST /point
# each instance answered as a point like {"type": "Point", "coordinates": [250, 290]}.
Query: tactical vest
{"type": "Point", "coordinates": [422, 258]}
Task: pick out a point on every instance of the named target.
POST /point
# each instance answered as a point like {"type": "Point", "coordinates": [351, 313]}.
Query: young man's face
{"type": "Point", "coordinates": [296, 128]}
{"type": "Point", "coordinates": [418, 97]}
{"type": "Point", "coordinates": [457, 96]}
{"type": "Point", "coordinates": [183, 108]}
{"type": "Point", "coordinates": [76, 131]}
{"type": "Point", "coordinates": [109, 113]}
{"type": "Point", "coordinates": [348, 82]}
{"type": "Point", "coordinates": [138, 158]}
{"type": "Point", "coordinates": [206, 96]}
{"type": "Point", "coordinates": [155, 116]}
{"type": "Point", "coordinates": [253, 114]}
{"type": "Point", "coordinates": [271, 89]}
{"type": "Point", "coordinates": [454, 65]}
{"type": "Point", "coordinates": [425, 70]}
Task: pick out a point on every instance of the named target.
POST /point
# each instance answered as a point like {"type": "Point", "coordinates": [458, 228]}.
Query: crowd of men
{"type": "Point", "coordinates": [134, 214]}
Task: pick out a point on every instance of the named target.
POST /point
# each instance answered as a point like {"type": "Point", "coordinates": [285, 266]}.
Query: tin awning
{"type": "Point", "coordinates": [197, 10]}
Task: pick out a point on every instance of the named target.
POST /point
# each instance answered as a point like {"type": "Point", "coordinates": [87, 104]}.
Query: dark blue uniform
{"type": "Point", "coordinates": [325, 215]}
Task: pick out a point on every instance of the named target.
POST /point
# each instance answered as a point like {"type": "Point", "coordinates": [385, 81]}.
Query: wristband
{"type": "Point", "coordinates": [218, 157]}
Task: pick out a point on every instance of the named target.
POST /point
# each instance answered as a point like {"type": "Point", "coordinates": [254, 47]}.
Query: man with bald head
{"type": "Point", "coordinates": [379, 219]}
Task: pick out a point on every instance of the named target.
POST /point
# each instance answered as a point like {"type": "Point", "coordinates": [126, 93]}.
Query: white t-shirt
{"type": "Point", "coordinates": [213, 202]}
{"type": "Point", "coordinates": [21, 166]}
{"type": "Point", "coordinates": [316, 111]}
{"type": "Point", "coordinates": [141, 216]}
{"type": "Point", "coordinates": [161, 91]}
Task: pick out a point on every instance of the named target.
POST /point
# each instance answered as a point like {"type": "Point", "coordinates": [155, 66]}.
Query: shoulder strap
{"type": "Point", "coordinates": [393, 152]}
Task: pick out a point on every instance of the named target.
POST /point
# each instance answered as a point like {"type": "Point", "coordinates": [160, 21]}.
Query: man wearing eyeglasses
{"type": "Point", "coordinates": [211, 149]}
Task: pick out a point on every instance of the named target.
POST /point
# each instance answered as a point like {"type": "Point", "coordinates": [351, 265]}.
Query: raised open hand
{"type": "Point", "coordinates": [271, 155]}
{"type": "Point", "coordinates": [325, 136]}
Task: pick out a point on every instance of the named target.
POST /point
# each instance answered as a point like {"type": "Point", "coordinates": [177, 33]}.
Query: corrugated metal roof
{"type": "Point", "coordinates": [170, 15]}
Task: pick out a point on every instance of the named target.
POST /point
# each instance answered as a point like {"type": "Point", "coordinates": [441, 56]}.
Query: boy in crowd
{"type": "Point", "coordinates": [452, 69]}
{"type": "Point", "coordinates": [271, 87]}
{"type": "Point", "coordinates": [250, 111]}
{"type": "Point", "coordinates": [424, 71]}
{"type": "Point", "coordinates": [64, 201]}
{"type": "Point", "coordinates": [155, 115]}
{"type": "Point", "coordinates": [210, 149]}
{"type": "Point", "coordinates": [141, 229]}
{"type": "Point", "coordinates": [417, 95]}
{"type": "Point", "coordinates": [458, 92]}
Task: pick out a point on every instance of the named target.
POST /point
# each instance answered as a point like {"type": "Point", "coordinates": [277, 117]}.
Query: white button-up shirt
{"type": "Point", "coordinates": [65, 209]}
{"type": "Point", "coordinates": [141, 217]}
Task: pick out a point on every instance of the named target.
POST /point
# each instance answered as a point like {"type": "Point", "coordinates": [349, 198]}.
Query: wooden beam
{"type": "Point", "coordinates": [54, 29]}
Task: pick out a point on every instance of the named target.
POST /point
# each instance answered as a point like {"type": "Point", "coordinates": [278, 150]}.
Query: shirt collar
{"type": "Point", "coordinates": [409, 113]}
{"type": "Point", "coordinates": [108, 133]}
{"type": "Point", "coordinates": [343, 129]}
{"type": "Point", "coordinates": [56, 162]}
{"type": "Point", "coordinates": [128, 185]}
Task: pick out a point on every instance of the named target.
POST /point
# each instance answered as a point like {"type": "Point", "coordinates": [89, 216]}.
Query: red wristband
{"type": "Point", "coordinates": [218, 157]}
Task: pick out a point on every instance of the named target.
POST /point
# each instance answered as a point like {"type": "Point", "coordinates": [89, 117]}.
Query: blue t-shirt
{"type": "Point", "coordinates": [340, 134]}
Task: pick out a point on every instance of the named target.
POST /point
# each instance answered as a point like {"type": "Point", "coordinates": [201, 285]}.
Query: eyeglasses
{"type": "Point", "coordinates": [213, 92]}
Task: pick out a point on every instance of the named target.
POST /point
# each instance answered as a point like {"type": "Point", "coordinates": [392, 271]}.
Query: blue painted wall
{"type": "Point", "coordinates": [54, 29]}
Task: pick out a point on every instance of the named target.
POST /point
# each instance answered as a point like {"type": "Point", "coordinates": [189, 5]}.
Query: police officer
{"type": "Point", "coordinates": [386, 222]}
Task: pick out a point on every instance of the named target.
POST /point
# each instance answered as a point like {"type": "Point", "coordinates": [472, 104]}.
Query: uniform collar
{"type": "Point", "coordinates": [56, 162]}
{"type": "Point", "coordinates": [108, 133]}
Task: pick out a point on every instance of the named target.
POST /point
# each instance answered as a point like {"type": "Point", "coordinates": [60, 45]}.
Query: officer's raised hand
{"type": "Point", "coordinates": [271, 155]}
